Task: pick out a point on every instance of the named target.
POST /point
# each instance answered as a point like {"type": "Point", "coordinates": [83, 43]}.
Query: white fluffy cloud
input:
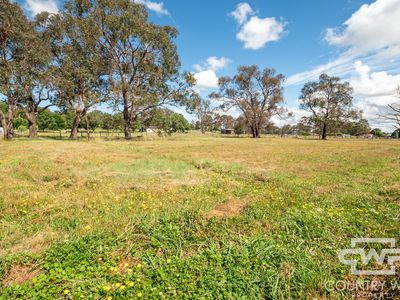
{"type": "Point", "coordinates": [242, 12]}
{"type": "Point", "coordinates": [256, 32]}
{"type": "Point", "coordinates": [206, 76]}
{"type": "Point", "coordinates": [206, 79]}
{"type": "Point", "coordinates": [373, 27]}
{"type": "Point", "coordinates": [371, 34]}
{"type": "Point", "coordinates": [157, 7]}
{"type": "Point", "coordinates": [375, 85]}
{"type": "Point", "coordinates": [213, 63]}
{"type": "Point", "coordinates": [374, 91]}
{"type": "Point", "coordinates": [35, 7]}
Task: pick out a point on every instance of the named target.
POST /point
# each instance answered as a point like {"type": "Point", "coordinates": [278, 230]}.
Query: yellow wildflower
{"type": "Point", "coordinates": [106, 288]}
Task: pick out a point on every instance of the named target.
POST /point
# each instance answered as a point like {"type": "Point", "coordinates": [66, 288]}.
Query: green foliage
{"type": "Point", "coordinates": [377, 132]}
{"type": "Point", "coordinates": [79, 67]}
{"type": "Point", "coordinates": [20, 123]}
{"type": "Point", "coordinates": [95, 119]}
{"type": "Point", "coordinates": [177, 123]}
{"type": "Point", "coordinates": [238, 129]}
{"type": "Point", "coordinates": [15, 41]}
{"type": "Point", "coordinates": [168, 121]}
{"type": "Point", "coordinates": [103, 120]}
{"type": "Point", "coordinates": [330, 103]}
{"type": "Point", "coordinates": [3, 107]}
{"type": "Point", "coordinates": [24, 66]}
{"type": "Point", "coordinates": [48, 120]}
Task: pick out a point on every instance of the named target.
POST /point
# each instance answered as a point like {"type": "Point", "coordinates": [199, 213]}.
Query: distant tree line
{"type": "Point", "coordinates": [162, 120]}
{"type": "Point", "coordinates": [214, 121]}
{"type": "Point", "coordinates": [257, 95]}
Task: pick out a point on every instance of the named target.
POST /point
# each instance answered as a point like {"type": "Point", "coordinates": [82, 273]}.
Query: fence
{"type": "Point", "coordinates": [64, 134]}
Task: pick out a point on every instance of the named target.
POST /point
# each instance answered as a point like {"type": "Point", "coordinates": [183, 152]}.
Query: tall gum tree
{"type": "Point", "coordinates": [256, 93]}
{"type": "Point", "coordinates": [329, 101]}
{"type": "Point", "coordinates": [13, 45]}
{"type": "Point", "coordinates": [204, 113]}
{"type": "Point", "coordinates": [79, 68]}
{"type": "Point", "coordinates": [34, 77]}
{"type": "Point", "coordinates": [143, 61]}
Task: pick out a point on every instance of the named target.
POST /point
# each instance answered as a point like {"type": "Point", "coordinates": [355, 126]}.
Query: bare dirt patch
{"type": "Point", "coordinates": [20, 274]}
{"type": "Point", "coordinates": [396, 186]}
{"type": "Point", "coordinates": [35, 244]}
{"type": "Point", "coordinates": [227, 209]}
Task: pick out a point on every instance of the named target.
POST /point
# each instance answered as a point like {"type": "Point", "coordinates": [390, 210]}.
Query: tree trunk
{"type": "Point", "coordinates": [8, 125]}
{"type": "Point", "coordinates": [127, 117]}
{"type": "Point", "coordinates": [324, 129]}
{"type": "Point", "coordinates": [5, 127]}
{"type": "Point", "coordinates": [253, 131]}
{"type": "Point", "coordinates": [87, 127]}
{"type": "Point", "coordinates": [3, 123]}
{"type": "Point", "coordinates": [75, 126]}
{"type": "Point", "coordinates": [257, 131]}
{"type": "Point", "coordinates": [8, 135]}
{"type": "Point", "coordinates": [127, 132]}
{"type": "Point", "coordinates": [31, 116]}
{"type": "Point", "coordinates": [32, 130]}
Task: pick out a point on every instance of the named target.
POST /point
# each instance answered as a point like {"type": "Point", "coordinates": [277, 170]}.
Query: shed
{"type": "Point", "coordinates": [227, 131]}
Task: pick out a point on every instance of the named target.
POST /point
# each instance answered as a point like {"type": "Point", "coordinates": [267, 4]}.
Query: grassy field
{"type": "Point", "coordinates": [190, 216]}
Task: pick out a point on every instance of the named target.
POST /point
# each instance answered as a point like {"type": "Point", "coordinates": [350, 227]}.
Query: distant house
{"type": "Point", "coordinates": [150, 129]}
{"type": "Point", "coordinates": [227, 131]}
{"type": "Point", "coordinates": [396, 134]}
{"type": "Point", "coordinates": [368, 136]}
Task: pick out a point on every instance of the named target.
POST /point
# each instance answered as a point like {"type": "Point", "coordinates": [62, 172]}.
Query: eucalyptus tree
{"type": "Point", "coordinates": [256, 93]}
{"type": "Point", "coordinates": [143, 61]}
{"type": "Point", "coordinates": [330, 103]}
{"type": "Point", "coordinates": [79, 68]}
{"type": "Point", "coordinates": [204, 113]}
{"type": "Point", "coordinates": [14, 42]}
{"type": "Point", "coordinates": [35, 77]}
{"type": "Point", "coordinates": [32, 106]}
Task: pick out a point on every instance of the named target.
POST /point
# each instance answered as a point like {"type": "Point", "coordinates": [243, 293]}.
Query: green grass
{"type": "Point", "coordinates": [189, 216]}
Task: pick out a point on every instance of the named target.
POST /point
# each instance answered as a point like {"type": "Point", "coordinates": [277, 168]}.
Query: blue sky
{"type": "Point", "coordinates": [354, 39]}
